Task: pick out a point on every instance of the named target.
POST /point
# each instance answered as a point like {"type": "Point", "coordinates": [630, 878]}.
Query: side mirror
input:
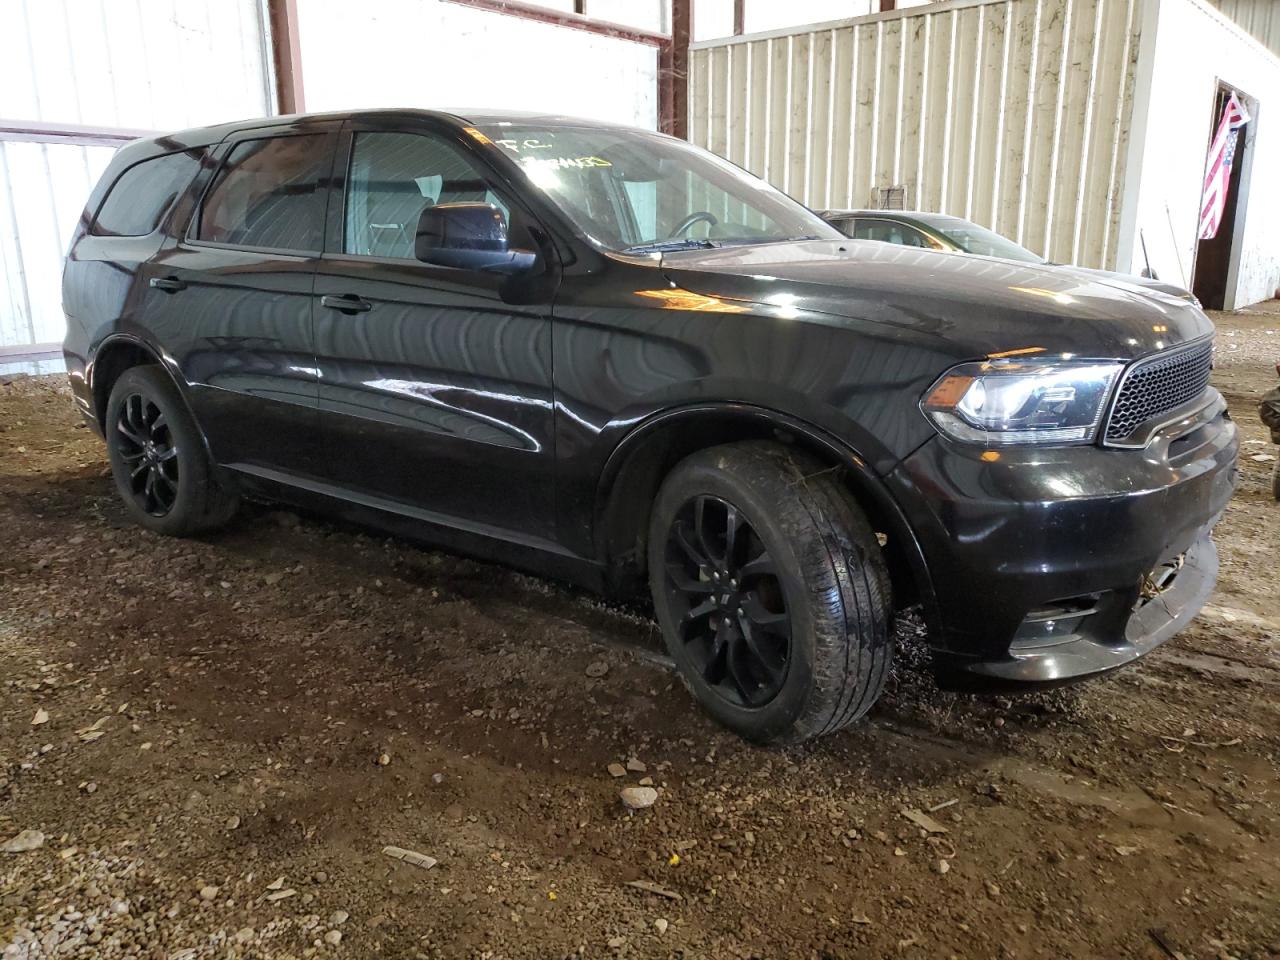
{"type": "Point", "coordinates": [468, 236]}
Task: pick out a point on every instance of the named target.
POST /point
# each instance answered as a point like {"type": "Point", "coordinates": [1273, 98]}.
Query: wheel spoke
{"type": "Point", "coordinates": [167, 455]}
{"type": "Point", "coordinates": [761, 566]}
{"type": "Point", "coordinates": [736, 672]}
{"type": "Point", "coordinates": [733, 521]}
{"type": "Point", "coordinates": [768, 663]}
{"type": "Point", "coordinates": [699, 560]}
{"type": "Point", "coordinates": [682, 581]}
{"type": "Point", "coordinates": [778, 624]}
{"type": "Point", "coordinates": [698, 612]}
{"type": "Point", "coordinates": [138, 470]}
{"type": "Point", "coordinates": [159, 423]}
{"type": "Point", "coordinates": [713, 671]}
{"type": "Point", "coordinates": [128, 431]}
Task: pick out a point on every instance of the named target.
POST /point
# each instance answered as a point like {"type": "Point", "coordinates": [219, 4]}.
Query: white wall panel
{"type": "Point", "coordinates": [140, 64]}
{"type": "Point", "coordinates": [1195, 48]}
{"type": "Point", "coordinates": [432, 54]}
{"type": "Point", "coordinates": [1012, 113]}
{"type": "Point", "coordinates": [42, 192]}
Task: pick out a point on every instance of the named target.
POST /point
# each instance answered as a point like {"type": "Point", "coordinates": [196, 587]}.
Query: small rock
{"type": "Point", "coordinates": [24, 842]}
{"type": "Point", "coordinates": [616, 770]}
{"type": "Point", "coordinates": [597, 669]}
{"type": "Point", "coordinates": [636, 766]}
{"type": "Point", "coordinates": [338, 918]}
{"type": "Point", "coordinates": [333, 937]}
{"type": "Point", "coordinates": [244, 934]}
{"type": "Point", "coordinates": [639, 798]}
{"type": "Point", "coordinates": [209, 892]}
{"type": "Point", "coordinates": [660, 925]}
{"type": "Point", "coordinates": [42, 716]}
{"type": "Point", "coordinates": [384, 758]}
{"type": "Point", "coordinates": [617, 943]}
{"type": "Point", "coordinates": [233, 822]}
{"type": "Point", "coordinates": [646, 781]}
{"type": "Point", "coordinates": [943, 867]}
{"type": "Point", "coordinates": [437, 778]}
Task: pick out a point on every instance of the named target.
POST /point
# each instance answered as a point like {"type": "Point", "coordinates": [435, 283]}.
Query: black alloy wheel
{"type": "Point", "coordinates": [771, 590]}
{"type": "Point", "coordinates": [150, 452]}
{"type": "Point", "coordinates": [723, 589]}
{"type": "Point", "coordinates": [162, 469]}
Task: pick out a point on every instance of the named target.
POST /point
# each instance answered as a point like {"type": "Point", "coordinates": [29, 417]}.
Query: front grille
{"type": "Point", "coordinates": [1155, 386]}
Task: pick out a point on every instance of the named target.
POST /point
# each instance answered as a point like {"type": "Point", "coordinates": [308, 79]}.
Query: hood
{"type": "Point", "coordinates": [968, 306]}
{"type": "Point", "coordinates": [1147, 284]}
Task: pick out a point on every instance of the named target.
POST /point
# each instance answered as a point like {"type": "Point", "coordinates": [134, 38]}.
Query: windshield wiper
{"type": "Point", "coordinates": [661, 246]}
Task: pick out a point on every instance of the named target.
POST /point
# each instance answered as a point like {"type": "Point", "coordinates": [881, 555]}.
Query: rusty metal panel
{"type": "Point", "coordinates": [1012, 113]}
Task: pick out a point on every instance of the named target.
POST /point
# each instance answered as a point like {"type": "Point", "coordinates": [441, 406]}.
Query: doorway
{"type": "Point", "coordinates": [1217, 258]}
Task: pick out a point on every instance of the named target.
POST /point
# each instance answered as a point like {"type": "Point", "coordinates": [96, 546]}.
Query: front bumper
{"type": "Point", "coordinates": [1040, 559]}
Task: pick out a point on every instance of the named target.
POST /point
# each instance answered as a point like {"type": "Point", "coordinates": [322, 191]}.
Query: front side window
{"type": "Point", "coordinates": [269, 193]}
{"type": "Point", "coordinates": [634, 191]}
{"type": "Point", "coordinates": [141, 196]}
{"type": "Point", "coordinates": [393, 177]}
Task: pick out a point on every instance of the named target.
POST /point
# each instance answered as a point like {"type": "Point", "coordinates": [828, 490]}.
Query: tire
{"type": "Point", "coordinates": [162, 471]}
{"type": "Point", "coordinates": [821, 568]}
{"type": "Point", "coordinates": [1275, 480]}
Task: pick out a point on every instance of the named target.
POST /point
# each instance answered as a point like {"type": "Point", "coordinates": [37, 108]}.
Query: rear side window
{"type": "Point", "coordinates": [141, 196]}
{"type": "Point", "coordinates": [269, 193]}
{"type": "Point", "coordinates": [889, 231]}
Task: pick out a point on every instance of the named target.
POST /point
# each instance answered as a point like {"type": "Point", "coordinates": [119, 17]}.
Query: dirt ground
{"type": "Point", "coordinates": [218, 737]}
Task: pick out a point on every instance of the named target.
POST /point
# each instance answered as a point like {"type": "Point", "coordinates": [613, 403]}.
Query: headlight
{"type": "Point", "coordinates": [1010, 401]}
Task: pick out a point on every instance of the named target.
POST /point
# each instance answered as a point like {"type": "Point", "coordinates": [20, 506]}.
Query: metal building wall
{"type": "Point", "coordinates": [101, 65]}
{"type": "Point", "coordinates": [1011, 113]}
{"type": "Point", "coordinates": [1259, 17]}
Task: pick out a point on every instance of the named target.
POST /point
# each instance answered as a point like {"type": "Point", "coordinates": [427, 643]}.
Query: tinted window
{"type": "Point", "coordinates": [639, 191]}
{"type": "Point", "coordinates": [393, 178]}
{"type": "Point", "coordinates": [140, 197]}
{"type": "Point", "coordinates": [888, 231]}
{"type": "Point", "coordinates": [269, 194]}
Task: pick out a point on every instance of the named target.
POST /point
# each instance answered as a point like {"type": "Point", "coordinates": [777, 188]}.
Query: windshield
{"type": "Point", "coordinates": [638, 192]}
{"type": "Point", "coordinates": [972, 238]}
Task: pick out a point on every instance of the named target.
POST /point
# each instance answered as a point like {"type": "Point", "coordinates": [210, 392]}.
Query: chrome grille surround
{"type": "Point", "coordinates": [1155, 387]}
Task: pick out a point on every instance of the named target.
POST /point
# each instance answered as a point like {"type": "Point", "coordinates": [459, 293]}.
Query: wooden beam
{"type": "Point", "coordinates": [887, 5]}
{"type": "Point", "coordinates": [673, 72]}
{"type": "Point", "coordinates": [739, 17]}
{"type": "Point", "coordinates": [286, 55]}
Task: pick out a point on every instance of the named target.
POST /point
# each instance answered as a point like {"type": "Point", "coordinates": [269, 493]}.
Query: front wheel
{"type": "Point", "coordinates": [162, 472]}
{"type": "Point", "coordinates": [771, 591]}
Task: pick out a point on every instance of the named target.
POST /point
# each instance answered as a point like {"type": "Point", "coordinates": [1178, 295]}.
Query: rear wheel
{"type": "Point", "coordinates": [1275, 480]}
{"type": "Point", "coordinates": [771, 591]}
{"type": "Point", "coordinates": [158, 459]}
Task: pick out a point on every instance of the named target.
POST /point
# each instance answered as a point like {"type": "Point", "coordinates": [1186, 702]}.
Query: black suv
{"type": "Point", "coordinates": [608, 356]}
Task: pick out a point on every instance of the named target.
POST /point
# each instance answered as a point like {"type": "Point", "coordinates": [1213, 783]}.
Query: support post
{"type": "Point", "coordinates": [286, 55]}
{"type": "Point", "coordinates": [673, 72]}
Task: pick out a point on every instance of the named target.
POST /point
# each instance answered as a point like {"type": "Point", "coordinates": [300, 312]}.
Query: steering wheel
{"type": "Point", "coordinates": [683, 226]}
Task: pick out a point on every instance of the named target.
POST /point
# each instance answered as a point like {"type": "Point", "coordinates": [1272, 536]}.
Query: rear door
{"type": "Point", "coordinates": [435, 394]}
{"type": "Point", "coordinates": [232, 299]}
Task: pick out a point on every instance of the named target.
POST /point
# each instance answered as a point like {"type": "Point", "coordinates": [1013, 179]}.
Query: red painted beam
{"type": "Point", "coordinates": [574, 21]}
{"type": "Point", "coordinates": [286, 55]}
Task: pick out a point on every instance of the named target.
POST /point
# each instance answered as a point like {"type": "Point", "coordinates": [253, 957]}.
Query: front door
{"type": "Point", "coordinates": [434, 394]}
{"type": "Point", "coordinates": [232, 300]}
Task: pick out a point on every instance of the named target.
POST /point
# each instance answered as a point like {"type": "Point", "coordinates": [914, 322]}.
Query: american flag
{"type": "Point", "coordinates": [1217, 177]}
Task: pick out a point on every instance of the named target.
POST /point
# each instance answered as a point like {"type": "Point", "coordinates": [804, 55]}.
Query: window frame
{"type": "Point", "coordinates": [162, 220]}
{"type": "Point", "coordinates": [328, 130]}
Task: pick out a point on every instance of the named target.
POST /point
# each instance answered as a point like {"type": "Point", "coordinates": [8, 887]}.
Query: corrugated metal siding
{"type": "Point", "coordinates": [136, 64]}
{"type": "Point", "coordinates": [1011, 113]}
{"type": "Point", "coordinates": [1259, 17]}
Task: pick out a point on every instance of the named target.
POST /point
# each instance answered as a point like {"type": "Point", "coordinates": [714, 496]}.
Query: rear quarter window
{"type": "Point", "coordinates": [140, 197]}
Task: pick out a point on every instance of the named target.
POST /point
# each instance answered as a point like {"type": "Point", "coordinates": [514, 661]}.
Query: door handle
{"type": "Point", "coordinates": [348, 303]}
{"type": "Point", "coordinates": [168, 284]}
